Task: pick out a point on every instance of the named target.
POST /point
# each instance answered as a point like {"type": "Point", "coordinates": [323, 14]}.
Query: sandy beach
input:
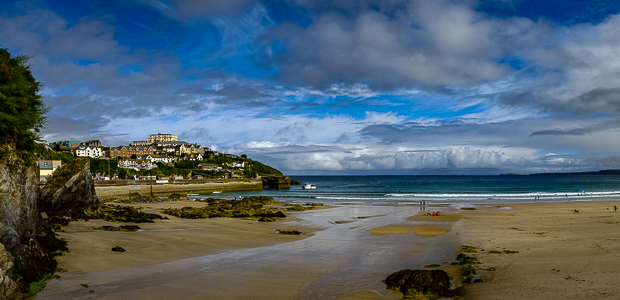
{"type": "Point", "coordinates": [536, 251]}
{"type": "Point", "coordinates": [340, 257]}
{"type": "Point", "coordinates": [545, 251]}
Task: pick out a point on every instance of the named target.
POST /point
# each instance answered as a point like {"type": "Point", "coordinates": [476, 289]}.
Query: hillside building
{"type": "Point", "coordinates": [161, 137]}
{"type": "Point", "coordinates": [89, 151]}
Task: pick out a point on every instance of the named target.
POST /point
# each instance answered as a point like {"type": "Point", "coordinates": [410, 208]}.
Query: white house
{"type": "Point", "coordinates": [136, 164]}
{"type": "Point", "coordinates": [238, 164]}
{"type": "Point", "coordinates": [89, 151]}
{"type": "Point", "coordinates": [162, 158]}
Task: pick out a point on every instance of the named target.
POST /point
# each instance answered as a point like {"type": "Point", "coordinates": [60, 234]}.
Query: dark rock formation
{"type": "Point", "coordinates": [119, 213]}
{"type": "Point", "coordinates": [23, 232]}
{"type": "Point", "coordinates": [71, 192]}
{"type": "Point", "coordinates": [435, 282]}
{"type": "Point", "coordinates": [27, 241]}
{"type": "Point", "coordinates": [118, 249]}
{"type": "Point", "coordinates": [245, 208]}
{"type": "Point", "coordinates": [8, 288]}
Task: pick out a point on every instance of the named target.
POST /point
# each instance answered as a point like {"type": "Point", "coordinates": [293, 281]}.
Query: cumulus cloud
{"type": "Point", "coordinates": [431, 44]}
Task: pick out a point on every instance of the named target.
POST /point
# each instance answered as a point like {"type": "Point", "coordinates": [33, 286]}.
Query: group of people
{"type": "Point", "coordinates": [428, 213]}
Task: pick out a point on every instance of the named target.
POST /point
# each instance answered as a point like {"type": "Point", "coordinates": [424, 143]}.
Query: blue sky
{"type": "Point", "coordinates": [336, 87]}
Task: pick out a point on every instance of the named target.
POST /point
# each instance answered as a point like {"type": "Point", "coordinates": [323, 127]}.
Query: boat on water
{"type": "Point", "coordinates": [217, 192]}
{"type": "Point", "coordinates": [308, 186]}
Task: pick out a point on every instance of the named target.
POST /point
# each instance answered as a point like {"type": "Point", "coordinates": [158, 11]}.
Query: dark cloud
{"type": "Point", "coordinates": [599, 100]}
{"type": "Point", "coordinates": [429, 45]}
{"type": "Point", "coordinates": [577, 131]}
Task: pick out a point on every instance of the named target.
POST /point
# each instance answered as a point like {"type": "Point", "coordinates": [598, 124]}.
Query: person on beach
{"type": "Point", "coordinates": [615, 208]}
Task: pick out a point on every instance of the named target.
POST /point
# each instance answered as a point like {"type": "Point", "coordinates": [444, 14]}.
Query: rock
{"type": "Point", "coordinates": [71, 192]}
{"type": "Point", "coordinates": [8, 288]}
{"type": "Point", "coordinates": [177, 197]}
{"type": "Point", "coordinates": [244, 208]}
{"type": "Point", "coordinates": [26, 220]}
{"type": "Point", "coordinates": [118, 249]}
{"type": "Point", "coordinates": [435, 282]}
{"type": "Point", "coordinates": [23, 232]}
{"type": "Point", "coordinates": [121, 213]}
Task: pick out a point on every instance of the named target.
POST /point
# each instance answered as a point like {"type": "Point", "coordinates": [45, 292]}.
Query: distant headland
{"type": "Point", "coordinates": [600, 172]}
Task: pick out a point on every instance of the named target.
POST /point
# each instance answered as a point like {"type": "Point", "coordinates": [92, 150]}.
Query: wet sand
{"type": "Point", "coordinates": [241, 259]}
{"type": "Point", "coordinates": [561, 254]}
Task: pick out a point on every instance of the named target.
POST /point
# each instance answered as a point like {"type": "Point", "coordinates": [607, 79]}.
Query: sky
{"type": "Point", "coordinates": [340, 87]}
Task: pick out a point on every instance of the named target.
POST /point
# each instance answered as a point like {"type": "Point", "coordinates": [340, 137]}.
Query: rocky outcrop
{"type": "Point", "coordinates": [435, 282]}
{"type": "Point", "coordinates": [23, 233]}
{"type": "Point", "coordinates": [71, 192]}
{"type": "Point", "coordinates": [27, 241]}
{"type": "Point", "coordinates": [8, 288]}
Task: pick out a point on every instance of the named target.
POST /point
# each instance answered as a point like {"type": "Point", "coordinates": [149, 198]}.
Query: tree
{"type": "Point", "coordinates": [244, 156]}
{"type": "Point", "coordinates": [22, 113]}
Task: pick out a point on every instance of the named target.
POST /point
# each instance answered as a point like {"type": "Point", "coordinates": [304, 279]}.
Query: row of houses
{"type": "Point", "coordinates": [94, 149]}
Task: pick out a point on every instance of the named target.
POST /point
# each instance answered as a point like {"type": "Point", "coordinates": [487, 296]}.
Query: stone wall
{"type": "Point", "coordinates": [117, 190]}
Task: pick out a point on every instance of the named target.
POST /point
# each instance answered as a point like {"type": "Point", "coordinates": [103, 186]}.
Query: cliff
{"type": "Point", "coordinates": [27, 241]}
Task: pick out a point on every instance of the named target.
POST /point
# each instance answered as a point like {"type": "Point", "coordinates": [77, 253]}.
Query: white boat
{"type": "Point", "coordinates": [308, 186]}
{"type": "Point", "coordinates": [217, 192]}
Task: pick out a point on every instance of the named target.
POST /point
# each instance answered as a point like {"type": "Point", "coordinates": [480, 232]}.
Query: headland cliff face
{"type": "Point", "coordinates": [27, 241]}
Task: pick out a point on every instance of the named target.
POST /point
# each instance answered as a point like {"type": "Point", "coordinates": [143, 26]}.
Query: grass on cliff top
{"type": "Point", "coordinates": [64, 174]}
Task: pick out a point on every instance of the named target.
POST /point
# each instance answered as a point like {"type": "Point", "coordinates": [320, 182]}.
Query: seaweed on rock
{"type": "Point", "coordinates": [428, 283]}
{"type": "Point", "coordinates": [119, 213]}
{"type": "Point", "coordinates": [249, 207]}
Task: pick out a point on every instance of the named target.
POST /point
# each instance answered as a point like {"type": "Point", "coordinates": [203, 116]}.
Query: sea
{"type": "Point", "coordinates": [444, 190]}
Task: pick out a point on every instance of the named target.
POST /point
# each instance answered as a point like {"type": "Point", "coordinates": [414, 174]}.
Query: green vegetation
{"type": "Point", "coordinates": [470, 271]}
{"type": "Point", "coordinates": [468, 208]}
{"type": "Point", "coordinates": [47, 154]}
{"type": "Point", "coordinates": [37, 286]}
{"type": "Point", "coordinates": [466, 260]}
{"type": "Point", "coordinates": [120, 213]}
{"type": "Point", "coordinates": [22, 113]}
{"type": "Point", "coordinates": [119, 228]}
{"type": "Point", "coordinates": [248, 207]}
{"type": "Point", "coordinates": [468, 249]}
{"type": "Point", "coordinates": [64, 174]}
{"type": "Point", "coordinates": [297, 207]}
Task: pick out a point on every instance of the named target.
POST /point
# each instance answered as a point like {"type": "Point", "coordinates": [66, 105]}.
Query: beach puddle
{"type": "Point", "coordinates": [424, 230]}
{"type": "Point", "coordinates": [442, 218]}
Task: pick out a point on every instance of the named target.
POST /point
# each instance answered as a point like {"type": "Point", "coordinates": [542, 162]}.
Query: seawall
{"type": "Point", "coordinates": [144, 188]}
